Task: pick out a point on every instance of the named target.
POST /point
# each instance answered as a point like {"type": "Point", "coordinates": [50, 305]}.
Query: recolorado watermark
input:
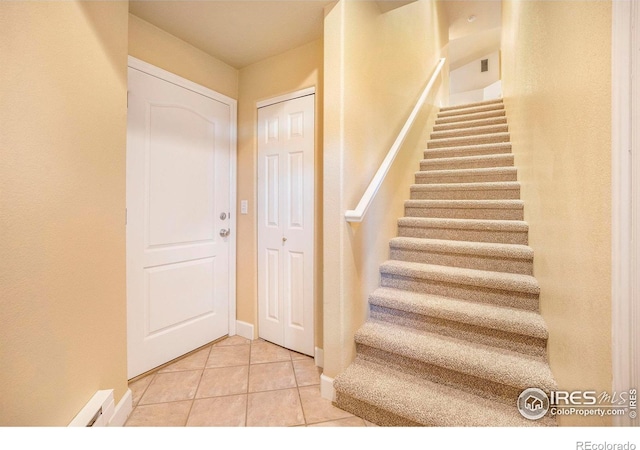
{"type": "Point", "coordinates": [588, 445]}
{"type": "Point", "coordinates": [534, 404]}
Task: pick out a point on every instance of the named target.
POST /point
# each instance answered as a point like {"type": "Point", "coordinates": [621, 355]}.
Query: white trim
{"type": "Point", "coordinates": [356, 215]}
{"type": "Point", "coordinates": [286, 97]}
{"type": "Point", "coordinates": [625, 202]}
{"type": "Point", "coordinates": [319, 357]}
{"type": "Point", "coordinates": [327, 391]}
{"type": "Point", "coordinates": [122, 411]}
{"type": "Point", "coordinates": [152, 70]}
{"type": "Point", "coordinates": [98, 411]}
{"type": "Point", "coordinates": [244, 329]}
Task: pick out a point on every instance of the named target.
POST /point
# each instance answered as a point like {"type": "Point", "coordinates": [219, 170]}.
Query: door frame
{"type": "Point", "coordinates": [304, 92]}
{"type": "Point", "coordinates": [233, 114]}
{"type": "Point", "coordinates": [625, 200]}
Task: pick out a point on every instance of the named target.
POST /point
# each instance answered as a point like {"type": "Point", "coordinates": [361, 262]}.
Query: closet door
{"type": "Point", "coordinates": [286, 223]}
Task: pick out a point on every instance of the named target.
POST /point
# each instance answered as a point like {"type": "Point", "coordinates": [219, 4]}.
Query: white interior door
{"type": "Point", "coordinates": [286, 223]}
{"type": "Point", "coordinates": [179, 145]}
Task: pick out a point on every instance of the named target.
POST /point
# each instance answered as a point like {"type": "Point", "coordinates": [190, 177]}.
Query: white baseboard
{"type": "Point", "coordinates": [319, 357]}
{"type": "Point", "coordinates": [326, 388]}
{"type": "Point", "coordinates": [244, 329]}
{"type": "Point", "coordinates": [122, 410]}
{"type": "Point", "coordinates": [101, 410]}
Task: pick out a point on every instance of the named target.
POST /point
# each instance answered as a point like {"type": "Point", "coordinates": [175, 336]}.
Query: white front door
{"type": "Point", "coordinates": [286, 223]}
{"type": "Point", "coordinates": [179, 145]}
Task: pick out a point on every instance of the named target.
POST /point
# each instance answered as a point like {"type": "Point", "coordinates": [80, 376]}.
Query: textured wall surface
{"type": "Point", "coordinates": [557, 88]}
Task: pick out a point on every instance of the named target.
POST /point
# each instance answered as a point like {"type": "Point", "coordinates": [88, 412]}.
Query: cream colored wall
{"type": "Point", "coordinates": [557, 88]}
{"type": "Point", "coordinates": [63, 84]}
{"type": "Point", "coordinates": [291, 71]}
{"type": "Point", "coordinates": [376, 66]}
{"type": "Point", "coordinates": [155, 46]}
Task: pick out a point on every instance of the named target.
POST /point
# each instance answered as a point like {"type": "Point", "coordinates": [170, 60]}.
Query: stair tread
{"type": "Point", "coordinates": [471, 116]}
{"type": "Point", "coordinates": [490, 363]}
{"type": "Point", "coordinates": [472, 137]}
{"type": "Point", "coordinates": [470, 123]}
{"type": "Point", "coordinates": [464, 159]}
{"type": "Point", "coordinates": [471, 110]}
{"type": "Point", "coordinates": [486, 249]}
{"type": "Point", "coordinates": [503, 318]}
{"type": "Point", "coordinates": [502, 281]}
{"type": "Point", "coordinates": [472, 170]}
{"type": "Point", "coordinates": [463, 148]}
{"type": "Point", "coordinates": [422, 401]}
{"type": "Point", "coordinates": [467, 204]}
{"type": "Point", "coordinates": [471, 105]}
{"type": "Point", "coordinates": [476, 186]}
{"type": "Point", "coordinates": [483, 129]}
{"type": "Point", "coordinates": [470, 224]}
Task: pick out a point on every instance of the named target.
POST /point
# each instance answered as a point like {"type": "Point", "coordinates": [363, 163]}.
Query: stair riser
{"type": "Point", "coordinates": [372, 413]}
{"type": "Point", "coordinates": [510, 265]}
{"type": "Point", "coordinates": [459, 132]}
{"type": "Point", "coordinates": [468, 117]}
{"type": "Point", "coordinates": [435, 164]}
{"type": "Point", "coordinates": [459, 291]}
{"type": "Point", "coordinates": [435, 178]}
{"type": "Point", "coordinates": [467, 111]}
{"type": "Point", "coordinates": [455, 152]}
{"type": "Point", "coordinates": [502, 237]}
{"type": "Point", "coordinates": [466, 213]}
{"type": "Point", "coordinates": [472, 333]}
{"type": "Point", "coordinates": [487, 194]}
{"type": "Point", "coordinates": [468, 140]}
{"type": "Point", "coordinates": [472, 123]}
{"type": "Point", "coordinates": [436, 374]}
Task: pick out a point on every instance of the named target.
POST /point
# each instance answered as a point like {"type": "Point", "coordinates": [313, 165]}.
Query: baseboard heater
{"type": "Point", "coordinates": [97, 412]}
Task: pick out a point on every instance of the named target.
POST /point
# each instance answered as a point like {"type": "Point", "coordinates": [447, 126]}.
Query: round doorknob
{"type": "Point", "coordinates": [225, 233]}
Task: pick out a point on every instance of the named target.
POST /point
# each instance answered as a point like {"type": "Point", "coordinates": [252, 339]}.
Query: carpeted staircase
{"type": "Point", "coordinates": [454, 334]}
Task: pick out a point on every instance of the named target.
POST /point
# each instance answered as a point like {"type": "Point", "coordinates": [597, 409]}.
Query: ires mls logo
{"type": "Point", "coordinates": [534, 403]}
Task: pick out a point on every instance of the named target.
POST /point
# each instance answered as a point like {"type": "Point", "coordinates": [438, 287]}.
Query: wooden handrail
{"type": "Point", "coordinates": [356, 215]}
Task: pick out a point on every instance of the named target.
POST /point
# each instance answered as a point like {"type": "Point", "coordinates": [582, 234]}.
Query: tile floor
{"type": "Point", "coordinates": [234, 383]}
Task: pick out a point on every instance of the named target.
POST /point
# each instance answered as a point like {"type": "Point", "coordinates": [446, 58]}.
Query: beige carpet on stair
{"type": "Point", "coordinates": [454, 333]}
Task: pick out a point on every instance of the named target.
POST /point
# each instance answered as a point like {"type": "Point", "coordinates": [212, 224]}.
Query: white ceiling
{"type": "Point", "coordinates": [242, 32]}
{"type": "Point", "coordinates": [238, 32]}
{"type": "Point", "coordinates": [471, 40]}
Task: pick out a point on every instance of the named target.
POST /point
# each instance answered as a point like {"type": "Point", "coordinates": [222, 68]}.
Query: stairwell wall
{"type": "Point", "coordinates": [557, 88]}
{"type": "Point", "coordinates": [375, 67]}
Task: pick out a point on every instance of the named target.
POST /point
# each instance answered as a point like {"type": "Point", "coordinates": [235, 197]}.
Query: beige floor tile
{"type": "Point", "coordinates": [296, 355]}
{"type": "Point", "coordinates": [348, 422]}
{"type": "Point", "coordinates": [172, 414]}
{"type": "Point", "coordinates": [223, 381]}
{"type": "Point", "coordinates": [271, 376]}
{"type": "Point", "coordinates": [232, 340]}
{"type": "Point", "coordinates": [172, 386]}
{"type": "Point", "coordinates": [318, 409]}
{"type": "Point", "coordinates": [230, 411]}
{"type": "Point", "coordinates": [138, 387]}
{"type": "Point", "coordinates": [263, 352]}
{"type": "Point", "coordinates": [274, 409]}
{"type": "Point", "coordinates": [226, 356]}
{"type": "Point", "coordinates": [307, 373]}
{"type": "Point", "coordinates": [191, 362]}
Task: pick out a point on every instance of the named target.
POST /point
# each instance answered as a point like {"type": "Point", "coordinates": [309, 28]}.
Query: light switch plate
{"type": "Point", "coordinates": [244, 205]}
